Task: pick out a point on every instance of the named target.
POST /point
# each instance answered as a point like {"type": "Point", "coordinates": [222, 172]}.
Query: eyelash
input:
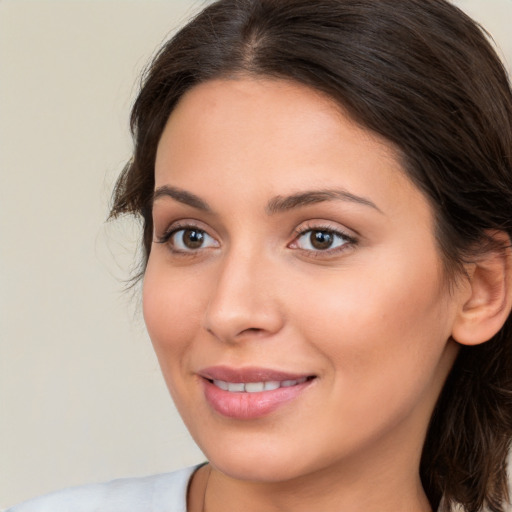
{"type": "Point", "coordinates": [176, 228]}
{"type": "Point", "coordinates": [349, 241]}
{"type": "Point", "coordinates": [166, 236]}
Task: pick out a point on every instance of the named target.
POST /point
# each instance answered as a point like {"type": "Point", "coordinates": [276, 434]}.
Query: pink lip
{"type": "Point", "coordinates": [246, 406]}
{"type": "Point", "coordinates": [248, 374]}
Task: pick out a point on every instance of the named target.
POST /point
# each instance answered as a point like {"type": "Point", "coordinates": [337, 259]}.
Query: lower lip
{"type": "Point", "coordinates": [248, 406]}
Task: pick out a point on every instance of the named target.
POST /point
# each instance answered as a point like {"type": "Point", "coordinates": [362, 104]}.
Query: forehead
{"type": "Point", "coordinates": [253, 139]}
{"type": "Point", "coordinates": [265, 121]}
{"type": "Point", "coordinates": [244, 102]}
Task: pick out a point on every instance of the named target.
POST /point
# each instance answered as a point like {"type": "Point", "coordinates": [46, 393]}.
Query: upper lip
{"type": "Point", "coordinates": [249, 374]}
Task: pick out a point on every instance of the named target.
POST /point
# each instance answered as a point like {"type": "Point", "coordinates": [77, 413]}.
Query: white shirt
{"type": "Point", "coordinates": [158, 493]}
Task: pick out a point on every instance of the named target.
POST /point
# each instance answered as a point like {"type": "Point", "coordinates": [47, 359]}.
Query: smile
{"type": "Point", "coordinates": [251, 393]}
{"type": "Point", "coordinates": [256, 387]}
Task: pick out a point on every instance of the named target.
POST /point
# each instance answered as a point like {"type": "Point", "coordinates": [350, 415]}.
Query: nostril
{"type": "Point", "coordinates": [251, 330]}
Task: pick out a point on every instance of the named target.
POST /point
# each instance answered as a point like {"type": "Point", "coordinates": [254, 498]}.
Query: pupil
{"type": "Point", "coordinates": [192, 238]}
{"type": "Point", "coordinates": [321, 239]}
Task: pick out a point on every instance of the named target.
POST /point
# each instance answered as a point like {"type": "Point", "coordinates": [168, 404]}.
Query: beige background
{"type": "Point", "coordinates": [81, 397]}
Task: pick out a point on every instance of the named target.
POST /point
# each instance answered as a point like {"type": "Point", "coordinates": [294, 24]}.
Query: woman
{"type": "Point", "coordinates": [325, 190]}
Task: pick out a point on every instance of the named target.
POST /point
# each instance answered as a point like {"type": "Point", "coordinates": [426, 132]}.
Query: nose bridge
{"type": "Point", "coordinates": [243, 300]}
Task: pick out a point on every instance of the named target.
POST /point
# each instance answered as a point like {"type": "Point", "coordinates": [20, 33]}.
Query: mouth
{"type": "Point", "coordinates": [251, 393]}
{"type": "Point", "coordinates": [257, 387]}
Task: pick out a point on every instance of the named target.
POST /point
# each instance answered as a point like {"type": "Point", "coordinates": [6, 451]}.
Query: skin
{"type": "Point", "coordinates": [371, 318]}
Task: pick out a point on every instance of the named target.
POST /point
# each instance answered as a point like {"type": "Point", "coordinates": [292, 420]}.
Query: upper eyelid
{"type": "Point", "coordinates": [310, 225]}
{"type": "Point", "coordinates": [176, 225]}
{"type": "Point", "coordinates": [325, 225]}
{"type": "Point", "coordinates": [339, 232]}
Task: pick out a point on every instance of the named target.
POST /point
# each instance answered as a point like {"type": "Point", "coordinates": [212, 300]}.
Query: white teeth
{"type": "Point", "coordinates": [256, 387]}
{"type": "Point", "coordinates": [270, 385]}
{"type": "Point", "coordinates": [236, 387]}
{"type": "Point", "coordinates": [221, 384]}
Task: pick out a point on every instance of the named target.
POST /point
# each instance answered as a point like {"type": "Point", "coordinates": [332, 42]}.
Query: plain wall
{"type": "Point", "coordinates": [81, 396]}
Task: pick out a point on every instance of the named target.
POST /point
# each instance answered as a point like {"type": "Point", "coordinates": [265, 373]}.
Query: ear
{"type": "Point", "coordinates": [488, 301]}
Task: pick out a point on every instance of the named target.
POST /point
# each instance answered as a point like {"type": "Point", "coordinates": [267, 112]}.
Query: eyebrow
{"type": "Point", "coordinates": [281, 204]}
{"type": "Point", "coordinates": [182, 196]}
{"type": "Point", "coordinates": [278, 204]}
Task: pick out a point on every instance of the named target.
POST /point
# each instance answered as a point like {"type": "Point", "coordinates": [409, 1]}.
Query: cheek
{"type": "Point", "coordinates": [382, 329]}
{"type": "Point", "coordinates": [171, 312]}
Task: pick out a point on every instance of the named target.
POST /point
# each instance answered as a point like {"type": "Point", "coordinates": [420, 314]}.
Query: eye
{"type": "Point", "coordinates": [321, 239]}
{"type": "Point", "coordinates": [188, 239]}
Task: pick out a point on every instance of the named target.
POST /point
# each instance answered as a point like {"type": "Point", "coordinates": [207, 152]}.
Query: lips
{"type": "Point", "coordinates": [251, 393]}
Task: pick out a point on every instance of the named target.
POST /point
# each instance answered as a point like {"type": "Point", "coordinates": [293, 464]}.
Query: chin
{"type": "Point", "coordinates": [256, 469]}
{"type": "Point", "coordinates": [263, 459]}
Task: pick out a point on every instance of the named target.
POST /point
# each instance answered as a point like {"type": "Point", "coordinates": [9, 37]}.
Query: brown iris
{"type": "Point", "coordinates": [321, 240]}
{"type": "Point", "coordinates": [193, 238]}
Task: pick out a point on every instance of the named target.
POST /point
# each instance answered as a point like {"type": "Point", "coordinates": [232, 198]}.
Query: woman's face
{"type": "Point", "coordinates": [294, 292]}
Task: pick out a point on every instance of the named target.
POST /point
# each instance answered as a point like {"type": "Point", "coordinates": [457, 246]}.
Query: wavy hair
{"type": "Point", "coordinates": [424, 76]}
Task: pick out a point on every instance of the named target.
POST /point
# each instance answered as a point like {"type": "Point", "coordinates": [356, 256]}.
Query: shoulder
{"type": "Point", "coordinates": [158, 493]}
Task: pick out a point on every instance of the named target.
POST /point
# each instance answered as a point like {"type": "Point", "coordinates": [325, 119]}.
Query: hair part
{"type": "Point", "coordinates": [421, 74]}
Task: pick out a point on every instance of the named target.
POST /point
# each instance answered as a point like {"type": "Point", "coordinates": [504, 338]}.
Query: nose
{"type": "Point", "coordinates": [244, 301]}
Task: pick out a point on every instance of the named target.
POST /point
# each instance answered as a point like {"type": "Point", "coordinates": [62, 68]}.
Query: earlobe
{"type": "Point", "coordinates": [488, 301]}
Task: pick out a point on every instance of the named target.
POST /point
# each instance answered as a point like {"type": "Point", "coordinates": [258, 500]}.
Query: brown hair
{"type": "Point", "coordinates": [421, 74]}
